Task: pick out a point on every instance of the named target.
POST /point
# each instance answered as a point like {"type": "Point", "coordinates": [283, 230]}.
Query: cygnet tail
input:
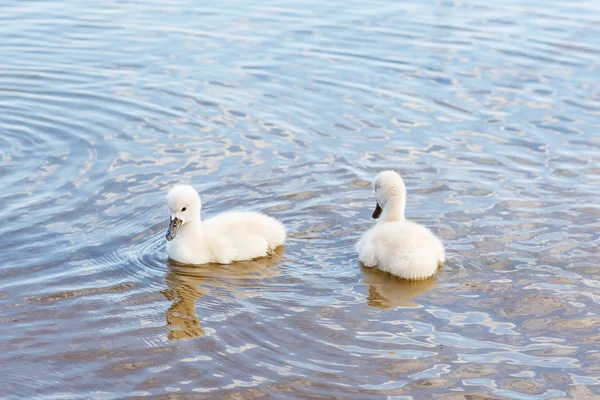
{"type": "Point", "coordinates": [274, 233]}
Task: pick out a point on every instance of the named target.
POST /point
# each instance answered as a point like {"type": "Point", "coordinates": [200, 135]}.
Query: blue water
{"type": "Point", "coordinates": [490, 110]}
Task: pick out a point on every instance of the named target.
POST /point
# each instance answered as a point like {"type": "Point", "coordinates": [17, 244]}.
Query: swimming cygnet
{"type": "Point", "coordinates": [223, 239]}
{"type": "Point", "coordinates": [400, 247]}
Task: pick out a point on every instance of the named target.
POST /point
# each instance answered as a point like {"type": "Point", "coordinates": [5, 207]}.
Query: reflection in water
{"type": "Point", "coordinates": [389, 291]}
{"type": "Point", "coordinates": [183, 291]}
{"type": "Point", "coordinates": [186, 284]}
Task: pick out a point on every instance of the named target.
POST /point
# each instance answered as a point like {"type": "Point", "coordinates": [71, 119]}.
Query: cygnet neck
{"type": "Point", "coordinates": [394, 210]}
{"type": "Point", "coordinates": [192, 226]}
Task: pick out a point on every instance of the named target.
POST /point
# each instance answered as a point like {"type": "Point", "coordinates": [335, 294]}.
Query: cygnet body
{"type": "Point", "coordinates": [224, 238]}
{"type": "Point", "coordinates": [395, 245]}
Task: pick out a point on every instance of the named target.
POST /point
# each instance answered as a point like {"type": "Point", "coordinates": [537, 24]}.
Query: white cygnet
{"type": "Point", "coordinates": [223, 239]}
{"type": "Point", "coordinates": [395, 245]}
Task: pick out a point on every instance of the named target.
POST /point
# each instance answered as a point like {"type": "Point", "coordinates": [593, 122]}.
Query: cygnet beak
{"type": "Point", "coordinates": [174, 224]}
{"type": "Point", "coordinates": [377, 211]}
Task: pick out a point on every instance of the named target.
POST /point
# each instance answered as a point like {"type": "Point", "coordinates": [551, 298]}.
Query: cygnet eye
{"type": "Point", "coordinates": [183, 209]}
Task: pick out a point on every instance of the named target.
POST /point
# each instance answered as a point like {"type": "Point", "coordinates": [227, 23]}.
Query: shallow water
{"type": "Point", "coordinates": [490, 110]}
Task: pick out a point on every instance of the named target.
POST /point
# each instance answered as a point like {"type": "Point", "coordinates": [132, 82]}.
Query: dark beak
{"type": "Point", "coordinates": [174, 224]}
{"type": "Point", "coordinates": [377, 211]}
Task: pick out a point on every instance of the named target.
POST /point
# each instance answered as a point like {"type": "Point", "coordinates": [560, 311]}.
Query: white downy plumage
{"type": "Point", "coordinates": [400, 247]}
{"type": "Point", "coordinates": [224, 238]}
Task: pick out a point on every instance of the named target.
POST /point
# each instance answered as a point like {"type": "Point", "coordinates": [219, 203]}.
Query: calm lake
{"type": "Point", "coordinates": [489, 110]}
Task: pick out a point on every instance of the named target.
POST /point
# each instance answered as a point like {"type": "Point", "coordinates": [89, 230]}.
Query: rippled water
{"type": "Point", "coordinates": [489, 109]}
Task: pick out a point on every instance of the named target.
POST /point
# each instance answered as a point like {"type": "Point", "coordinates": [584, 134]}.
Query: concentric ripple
{"type": "Point", "coordinates": [489, 110]}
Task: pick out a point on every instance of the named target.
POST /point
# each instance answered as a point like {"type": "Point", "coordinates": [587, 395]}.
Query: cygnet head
{"type": "Point", "coordinates": [390, 193]}
{"type": "Point", "coordinates": [184, 207]}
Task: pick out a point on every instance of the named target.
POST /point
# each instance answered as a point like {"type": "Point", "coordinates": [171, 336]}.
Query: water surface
{"type": "Point", "coordinates": [490, 110]}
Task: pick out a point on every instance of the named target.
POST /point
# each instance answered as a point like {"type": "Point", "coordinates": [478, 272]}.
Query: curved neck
{"type": "Point", "coordinates": [193, 225]}
{"type": "Point", "coordinates": [394, 210]}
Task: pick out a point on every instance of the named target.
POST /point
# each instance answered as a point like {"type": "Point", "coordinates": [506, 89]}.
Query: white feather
{"type": "Point", "coordinates": [224, 238]}
{"type": "Point", "coordinates": [395, 245]}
